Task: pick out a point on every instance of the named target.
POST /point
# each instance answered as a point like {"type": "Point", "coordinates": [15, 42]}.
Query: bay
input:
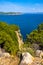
{"type": "Point", "coordinates": [26, 22]}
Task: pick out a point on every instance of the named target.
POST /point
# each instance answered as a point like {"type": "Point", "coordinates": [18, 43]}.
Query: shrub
{"type": "Point", "coordinates": [36, 36]}
{"type": "Point", "coordinates": [8, 37]}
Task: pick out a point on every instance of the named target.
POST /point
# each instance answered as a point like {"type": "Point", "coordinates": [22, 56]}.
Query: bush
{"type": "Point", "coordinates": [31, 51]}
{"type": "Point", "coordinates": [8, 37]}
{"type": "Point", "coordinates": [36, 36]}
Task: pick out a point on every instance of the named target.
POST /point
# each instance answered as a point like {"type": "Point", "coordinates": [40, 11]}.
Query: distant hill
{"type": "Point", "coordinates": [11, 13]}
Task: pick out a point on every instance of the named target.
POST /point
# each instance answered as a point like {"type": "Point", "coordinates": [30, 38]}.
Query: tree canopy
{"type": "Point", "coordinates": [8, 37]}
{"type": "Point", "coordinates": [36, 37]}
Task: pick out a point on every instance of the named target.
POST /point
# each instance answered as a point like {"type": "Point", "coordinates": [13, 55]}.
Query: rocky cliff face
{"type": "Point", "coordinates": [27, 59]}
{"type": "Point", "coordinates": [20, 40]}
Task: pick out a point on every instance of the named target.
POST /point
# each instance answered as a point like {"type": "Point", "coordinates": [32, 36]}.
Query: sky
{"type": "Point", "coordinates": [26, 6]}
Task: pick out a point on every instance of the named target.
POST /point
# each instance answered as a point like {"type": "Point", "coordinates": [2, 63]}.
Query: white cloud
{"type": "Point", "coordinates": [14, 7]}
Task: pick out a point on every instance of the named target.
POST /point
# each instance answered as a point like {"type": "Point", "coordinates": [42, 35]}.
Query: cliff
{"type": "Point", "coordinates": [28, 59]}
{"type": "Point", "coordinates": [20, 39]}
{"type": "Point", "coordinates": [11, 42]}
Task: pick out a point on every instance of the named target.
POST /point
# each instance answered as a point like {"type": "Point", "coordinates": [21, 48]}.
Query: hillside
{"type": "Point", "coordinates": [8, 37]}
{"type": "Point", "coordinates": [14, 51]}
{"type": "Point", "coordinates": [35, 38]}
{"type": "Point", "coordinates": [10, 13]}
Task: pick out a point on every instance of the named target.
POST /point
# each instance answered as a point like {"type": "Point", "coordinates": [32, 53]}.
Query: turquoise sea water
{"type": "Point", "coordinates": [26, 22]}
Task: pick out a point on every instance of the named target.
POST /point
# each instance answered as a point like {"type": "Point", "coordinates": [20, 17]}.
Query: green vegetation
{"type": "Point", "coordinates": [8, 38]}
{"type": "Point", "coordinates": [35, 39]}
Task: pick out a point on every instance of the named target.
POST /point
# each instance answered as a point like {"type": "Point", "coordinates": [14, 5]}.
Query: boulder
{"type": "Point", "coordinates": [0, 51]}
{"type": "Point", "coordinates": [39, 53]}
{"type": "Point", "coordinates": [6, 54]}
{"type": "Point", "coordinates": [27, 58]}
{"type": "Point", "coordinates": [3, 53]}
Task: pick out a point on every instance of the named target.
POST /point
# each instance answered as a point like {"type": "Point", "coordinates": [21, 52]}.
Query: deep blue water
{"type": "Point", "coordinates": [26, 22]}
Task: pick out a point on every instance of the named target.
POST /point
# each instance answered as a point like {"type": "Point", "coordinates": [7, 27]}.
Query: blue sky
{"type": "Point", "coordinates": [29, 6]}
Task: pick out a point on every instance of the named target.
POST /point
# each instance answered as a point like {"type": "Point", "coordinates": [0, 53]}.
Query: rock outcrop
{"type": "Point", "coordinates": [39, 53]}
{"type": "Point", "coordinates": [37, 61]}
{"type": "Point", "coordinates": [7, 59]}
{"type": "Point", "coordinates": [27, 58]}
{"type": "Point", "coordinates": [20, 40]}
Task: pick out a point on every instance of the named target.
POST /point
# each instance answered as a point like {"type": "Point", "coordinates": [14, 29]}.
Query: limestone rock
{"type": "Point", "coordinates": [7, 59]}
{"type": "Point", "coordinates": [27, 58]}
{"type": "Point", "coordinates": [37, 61]}
{"type": "Point", "coordinates": [6, 54]}
{"type": "Point", "coordinates": [39, 53]}
{"type": "Point", "coordinates": [20, 40]}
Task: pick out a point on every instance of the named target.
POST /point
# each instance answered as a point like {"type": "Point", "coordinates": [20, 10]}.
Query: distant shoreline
{"type": "Point", "coordinates": [10, 13]}
{"type": "Point", "coordinates": [18, 13]}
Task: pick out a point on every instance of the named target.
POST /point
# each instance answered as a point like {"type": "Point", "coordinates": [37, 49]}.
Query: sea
{"type": "Point", "coordinates": [26, 22]}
